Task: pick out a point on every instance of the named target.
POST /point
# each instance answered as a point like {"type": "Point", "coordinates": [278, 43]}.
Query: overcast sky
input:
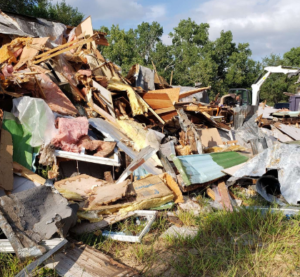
{"type": "Point", "coordinates": [270, 26]}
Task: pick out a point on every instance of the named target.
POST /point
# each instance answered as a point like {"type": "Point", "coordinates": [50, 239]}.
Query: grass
{"type": "Point", "coordinates": [241, 243]}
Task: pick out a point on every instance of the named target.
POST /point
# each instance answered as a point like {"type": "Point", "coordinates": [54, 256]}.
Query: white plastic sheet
{"type": "Point", "coordinates": [37, 117]}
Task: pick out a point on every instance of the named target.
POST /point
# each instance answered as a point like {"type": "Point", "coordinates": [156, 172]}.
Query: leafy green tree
{"type": "Point", "coordinates": [242, 70]}
{"type": "Point", "coordinates": [188, 41]}
{"type": "Point", "coordinates": [18, 6]}
{"type": "Point", "coordinates": [146, 37]}
{"type": "Point", "coordinates": [61, 12]}
{"type": "Point", "coordinates": [122, 49]}
{"type": "Point", "coordinates": [292, 57]}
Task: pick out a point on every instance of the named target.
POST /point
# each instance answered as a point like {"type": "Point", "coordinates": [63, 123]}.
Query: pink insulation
{"type": "Point", "coordinates": [55, 98]}
{"type": "Point", "coordinates": [70, 131]}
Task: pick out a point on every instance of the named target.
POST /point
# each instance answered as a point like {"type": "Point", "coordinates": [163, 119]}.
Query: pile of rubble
{"type": "Point", "coordinates": [83, 147]}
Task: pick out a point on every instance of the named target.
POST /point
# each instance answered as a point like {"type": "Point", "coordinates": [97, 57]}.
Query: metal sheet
{"type": "Point", "coordinates": [284, 158]}
{"type": "Point", "coordinates": [206, 167]}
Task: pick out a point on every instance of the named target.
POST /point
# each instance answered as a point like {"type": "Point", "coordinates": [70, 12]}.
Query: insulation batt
{"type": "Point", "coordinates": [70, 131]}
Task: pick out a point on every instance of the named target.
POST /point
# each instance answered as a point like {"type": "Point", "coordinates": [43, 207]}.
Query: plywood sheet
{"type": "Point", "coordinates": [173, 93]}
{"type": "Point", "coordinates": [158, 100]}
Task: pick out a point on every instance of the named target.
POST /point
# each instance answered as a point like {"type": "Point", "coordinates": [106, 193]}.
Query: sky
{"type": "Point", "coordinates": [269, 26]}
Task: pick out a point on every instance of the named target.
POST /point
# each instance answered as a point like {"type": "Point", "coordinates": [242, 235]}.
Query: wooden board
{"type": "Point", "coordinates": [157, 100]}
{"type": "Point", "coordinates": [28, 174]}
{"type": "Point", "coordinates": [210, 137]}
{"type": "Point", "coordinates": [6, 161]}
{"type": "Point", "coordinates": [173, 93]}
{"type": "Point", "coordinates": [85, 28]}
{"type": "Point", "coordinates": [80, 260]}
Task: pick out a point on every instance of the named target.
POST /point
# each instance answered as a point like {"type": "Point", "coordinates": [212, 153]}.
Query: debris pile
{"type": "Point", "coordinates": [83, 147]}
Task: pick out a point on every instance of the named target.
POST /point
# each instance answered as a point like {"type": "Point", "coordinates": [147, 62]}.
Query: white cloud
{"type": "Point", "coordinates": [123, 12]}
{"type": "Point", "coordinates": [268, 25]}
{"type": "Point", "coordinates": [155, 12]}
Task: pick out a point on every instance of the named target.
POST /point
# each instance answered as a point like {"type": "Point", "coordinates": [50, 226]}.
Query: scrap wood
{"type": "Point", "coordinates": [30, 50]}
{"type": "Point", "coordinates": [191, 92]}
{"type": "Point", "coordinates": [225, 198]}
{"type": "Point", "coordinates": [28, 174]}
{"type": "Point", "coordinates": [6, 160]}
{"type": "Point", "coordinates": [75, 45]}
{"type": "Point", "coordinates": [87, 261]}
{"type": "Point", "coordinates": [28, 269]}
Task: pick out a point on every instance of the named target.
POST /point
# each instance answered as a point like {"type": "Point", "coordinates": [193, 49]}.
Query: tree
{"type": "Point", "coordinates": [292, 57]}
{"type": "Point", "coordinates": [122, 49]}
{"type": "Point", "coordinates": [146, 37]}
{"type": "Point", "coordinates": [18, 6]}
{"type": "Point", "coordinates": [242, 71]}
{"type": "Point", "coordinates": [188, 41]}
{"type": "Point", "coordinates": [61, 12]}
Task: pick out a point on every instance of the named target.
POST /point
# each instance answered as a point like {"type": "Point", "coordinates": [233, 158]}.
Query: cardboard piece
{"type": "Point", "coordinates": [210, 137]}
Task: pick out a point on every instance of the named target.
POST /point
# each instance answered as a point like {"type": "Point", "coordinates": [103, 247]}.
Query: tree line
{"type": "Point", "coordinates": [192, 56]}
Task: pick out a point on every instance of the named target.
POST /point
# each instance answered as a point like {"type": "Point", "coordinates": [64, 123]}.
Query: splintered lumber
{"type": "Point", "coordinates": [75, 45]}
{"type": "Point", "coordinates": [191, 92]}
{"type": "Point", "coordinates": [6, 160]}
{"type": "Point", "coordinates": [28, 174]}
{"type": "Point", "coordinates": [81, 260]}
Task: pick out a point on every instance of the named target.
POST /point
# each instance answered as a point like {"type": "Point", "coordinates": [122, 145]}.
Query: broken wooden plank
{"type": "Point", "coordinates": [191, 92]}
{"type": "Point", "coordinates": [25, 271]}
{"type": "Point", "coordinates": [291, 131]}
{"type": "Point", "coordinates": [28, 174]}
{"type": "Point", "coordinates": [158, 100]}
{"type": "Point", "coordinates": [140, 159]}
{"type": "Point", "coordinates": [81, 260]}
{"type": "Point", "coordinates": [225, 198]}
{"type": "Point", "coordinates": [75, 45]}
{"type": "Point", "coordinates": [6, 161]}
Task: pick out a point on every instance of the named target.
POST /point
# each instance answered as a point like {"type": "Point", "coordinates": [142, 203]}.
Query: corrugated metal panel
{"type": "Point", "coordinates": [208, 167]}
